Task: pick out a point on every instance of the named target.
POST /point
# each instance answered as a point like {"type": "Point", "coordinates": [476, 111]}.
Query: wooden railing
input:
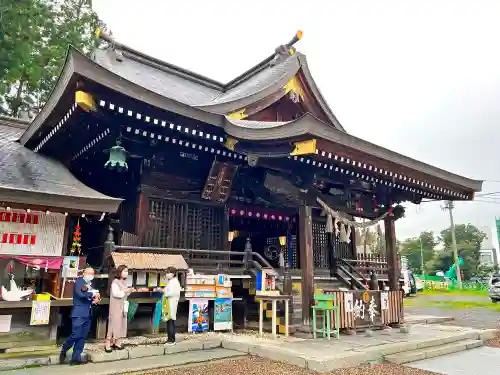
{"type": "Point", "coordinates": [365, 264]}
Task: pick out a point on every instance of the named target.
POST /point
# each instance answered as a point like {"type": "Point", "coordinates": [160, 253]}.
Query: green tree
{"type": "Point", "coordinates": [414, 248]}
{"type": "Point", "coordinates": [36, 36]}
{"type": "Point", "coordinates": [21, 46]}
{"type": "Point", "coordinates": [469, 239]}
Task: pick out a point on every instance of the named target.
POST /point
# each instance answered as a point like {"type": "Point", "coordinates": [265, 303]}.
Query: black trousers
{"type": "Point", "coordinates": [171, 330]}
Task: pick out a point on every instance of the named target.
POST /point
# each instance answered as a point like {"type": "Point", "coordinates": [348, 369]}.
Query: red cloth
{"type": "Point", "coordinates": [53, 263]}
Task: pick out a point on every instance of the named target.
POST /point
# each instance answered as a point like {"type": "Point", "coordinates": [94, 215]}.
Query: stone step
{"type": "Point", "coordinates": [433, 351]}
{"type": "Point", "coordinates": [135, 365]}
{"type": "Point", "coordinates": [29, 353]}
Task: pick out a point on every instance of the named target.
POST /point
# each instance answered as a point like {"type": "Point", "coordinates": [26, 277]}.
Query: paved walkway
{"type": "Point", "coordinates": [130, 365]}
{"type": "Point", "coordinates": [481, 361]}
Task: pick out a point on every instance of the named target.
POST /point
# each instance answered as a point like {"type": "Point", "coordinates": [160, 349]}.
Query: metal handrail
{"type": "Point", "coordinates": [148, 249]}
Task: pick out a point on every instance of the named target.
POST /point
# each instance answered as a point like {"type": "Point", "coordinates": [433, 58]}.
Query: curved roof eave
{"type": "Point", "coordinates": [270, 85]}
{"type": "Point", "coordinates": [310, 125]}
{"type": "Point", "coordinates": [77, 63]}
{"type": "Point", "coordinates": [317, 93]}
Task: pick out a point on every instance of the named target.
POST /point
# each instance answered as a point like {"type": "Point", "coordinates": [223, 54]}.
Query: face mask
{"type": "Point", "coordinates": [124, 275]}
{"type": "Point", "coordinates": [88, 278]}
{"type": "Point", "coordinates": [170, 276]}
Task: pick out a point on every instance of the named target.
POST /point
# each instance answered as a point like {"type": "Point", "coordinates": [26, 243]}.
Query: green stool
{"type": "Point", "coordinates": [325, 304]}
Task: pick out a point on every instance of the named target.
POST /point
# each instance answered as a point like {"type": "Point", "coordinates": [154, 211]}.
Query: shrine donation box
{"type": "Point", "coordinates": [266, 283]}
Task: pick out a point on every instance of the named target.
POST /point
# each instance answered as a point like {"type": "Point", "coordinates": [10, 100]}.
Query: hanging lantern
{"type": "Point", "coordinates": [117, 158]}
{"type": "Point", "coordinates": [282, 240]}
{"type": "Point", "coordinates": [10, 266]}
{"type": "Point", "coordinates": [231, 235]}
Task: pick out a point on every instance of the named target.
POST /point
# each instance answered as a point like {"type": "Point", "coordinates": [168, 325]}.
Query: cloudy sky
{"type": "Point", "coordinates": [419, 77]}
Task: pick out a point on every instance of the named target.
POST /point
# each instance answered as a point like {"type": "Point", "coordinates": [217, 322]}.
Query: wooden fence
{"type": "Point", "coordinates": [363, 309]}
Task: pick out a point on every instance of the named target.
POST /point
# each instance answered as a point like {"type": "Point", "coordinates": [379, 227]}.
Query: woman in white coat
{"type": "Point", "coordinates": [173, 293]}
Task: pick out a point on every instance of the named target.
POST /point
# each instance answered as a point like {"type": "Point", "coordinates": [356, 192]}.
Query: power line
{"type": "Point", "coordinates": [485, 194]}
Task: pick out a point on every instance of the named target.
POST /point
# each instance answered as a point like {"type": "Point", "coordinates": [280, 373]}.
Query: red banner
{"type": "Point", "coordinates": [53, 263]}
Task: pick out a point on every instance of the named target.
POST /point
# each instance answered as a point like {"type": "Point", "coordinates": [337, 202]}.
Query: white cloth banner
{"type": "Point", "coordinates": [34, 233]}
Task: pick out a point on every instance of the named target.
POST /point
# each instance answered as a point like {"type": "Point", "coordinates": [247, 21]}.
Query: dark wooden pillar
{"type": "Point", "coordinates": [354, 245]}
{"type": "Point", "coordinates": [306, 261]}
{"type": "Point", "coordinates": [391, 253]}
{"type": "Point", "coordinates": [225, 231]}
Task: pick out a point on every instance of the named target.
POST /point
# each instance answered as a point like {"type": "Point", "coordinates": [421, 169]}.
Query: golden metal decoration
{"type": "Point", "coordinates": [238, 115]}
{"type": "Point", "coordinates": [304, 148]}
{"type": "Point", "coordinates": [295, 86]}
{"type": "Point", "coordinates": [230, 143]}
{"type": "Point", "coordinates": [365, 296]}
{"type": "Point", "coordinates": [85, 101]}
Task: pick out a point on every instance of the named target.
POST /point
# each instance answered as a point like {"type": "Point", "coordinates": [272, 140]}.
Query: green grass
{"type": "Point", "coordinates": [452, 305]}
{"type": "Point", "coordinates": [453, 292]}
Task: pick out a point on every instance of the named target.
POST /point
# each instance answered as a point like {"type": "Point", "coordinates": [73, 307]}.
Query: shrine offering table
{"type": "Point", "coordinates": [273, 299]}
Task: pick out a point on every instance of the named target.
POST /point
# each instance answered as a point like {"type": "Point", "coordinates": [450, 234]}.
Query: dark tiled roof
{"type": "Point", "coordinates": [28, 178]}
{"type": "Point", "coordinates": [188, 88]}
{"type": "Point", "coordinates": [157, 80]}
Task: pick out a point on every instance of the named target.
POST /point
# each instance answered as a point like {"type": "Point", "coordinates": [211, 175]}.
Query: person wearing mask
{"type": "Point", "coordinates": [172, 292]}
{"type": "Point", "coordinates": [118, 310]}
{"type": "Point", "coordinates": [84, 296]}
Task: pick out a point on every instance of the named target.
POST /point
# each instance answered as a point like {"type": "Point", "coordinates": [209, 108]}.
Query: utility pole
{"type": "Point", "coordinates": [422, 257]}
{"type": "Point", "coordinates": [449, 206]}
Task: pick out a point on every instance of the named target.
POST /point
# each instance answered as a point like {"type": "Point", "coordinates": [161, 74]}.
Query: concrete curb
{"type": "Point", "coordinates": [120, 355]}
{"type": "Point", "coordinates": [137, 365]}
{"type": "Point", "coordinates": [428, 319]}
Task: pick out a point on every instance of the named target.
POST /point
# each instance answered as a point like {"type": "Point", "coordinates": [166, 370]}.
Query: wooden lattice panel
{"type": "Point", "coordinates": [275, 241]}
{"type": "Point", "coordinates": [320, 245]}
{"type": "Point", "coordinates": [188, 225]}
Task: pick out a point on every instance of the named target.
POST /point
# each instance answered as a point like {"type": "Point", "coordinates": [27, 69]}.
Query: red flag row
{"type": "Point", "coordinates": [19, 217]}
{"type": "Point", "coordinates": [17, 239]}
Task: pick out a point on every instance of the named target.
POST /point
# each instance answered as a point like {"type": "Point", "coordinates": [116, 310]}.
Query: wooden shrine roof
{"type": "Point", "coordinates": [332, 141]}
{"type": "Point", "coordinates": [149, 261]}
{"type": "Point", "coordinates": [175, 89]}
{"type": "Point", "coordinates": [164, 86]}
{"type": "Point", "coordinates": [31, 179]}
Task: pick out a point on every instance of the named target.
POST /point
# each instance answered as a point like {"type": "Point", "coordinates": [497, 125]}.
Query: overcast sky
{"type": "Point", "coordinates": [418, 77]}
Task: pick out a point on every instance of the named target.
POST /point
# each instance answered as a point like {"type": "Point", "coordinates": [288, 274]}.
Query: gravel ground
{"type": "Point", "coordinates": [257, 366]}
{"type": "Point", "coordinates": [475, 317]}
{"type": "Point", "coordinates": [495, 343]}
{"type": "Point", "coordinates": [480, 318]}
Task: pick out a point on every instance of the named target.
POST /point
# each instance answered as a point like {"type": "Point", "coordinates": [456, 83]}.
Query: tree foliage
{"type": "Point", "coordinates": [416, 248]}
{"type": "Point", "coordinates": [469, 239]}
{"type": "Point", "coordinates": [34, 39]}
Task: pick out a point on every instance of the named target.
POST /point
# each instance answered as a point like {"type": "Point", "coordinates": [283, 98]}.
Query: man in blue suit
{"type": "Point", "coordinates": [83, 299]}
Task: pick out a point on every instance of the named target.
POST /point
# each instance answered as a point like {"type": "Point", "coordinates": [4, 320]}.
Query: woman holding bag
{"type": "Point", "coordinates": [170, 301]}
{"type": "Point", "coordinates": [118, 310]}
